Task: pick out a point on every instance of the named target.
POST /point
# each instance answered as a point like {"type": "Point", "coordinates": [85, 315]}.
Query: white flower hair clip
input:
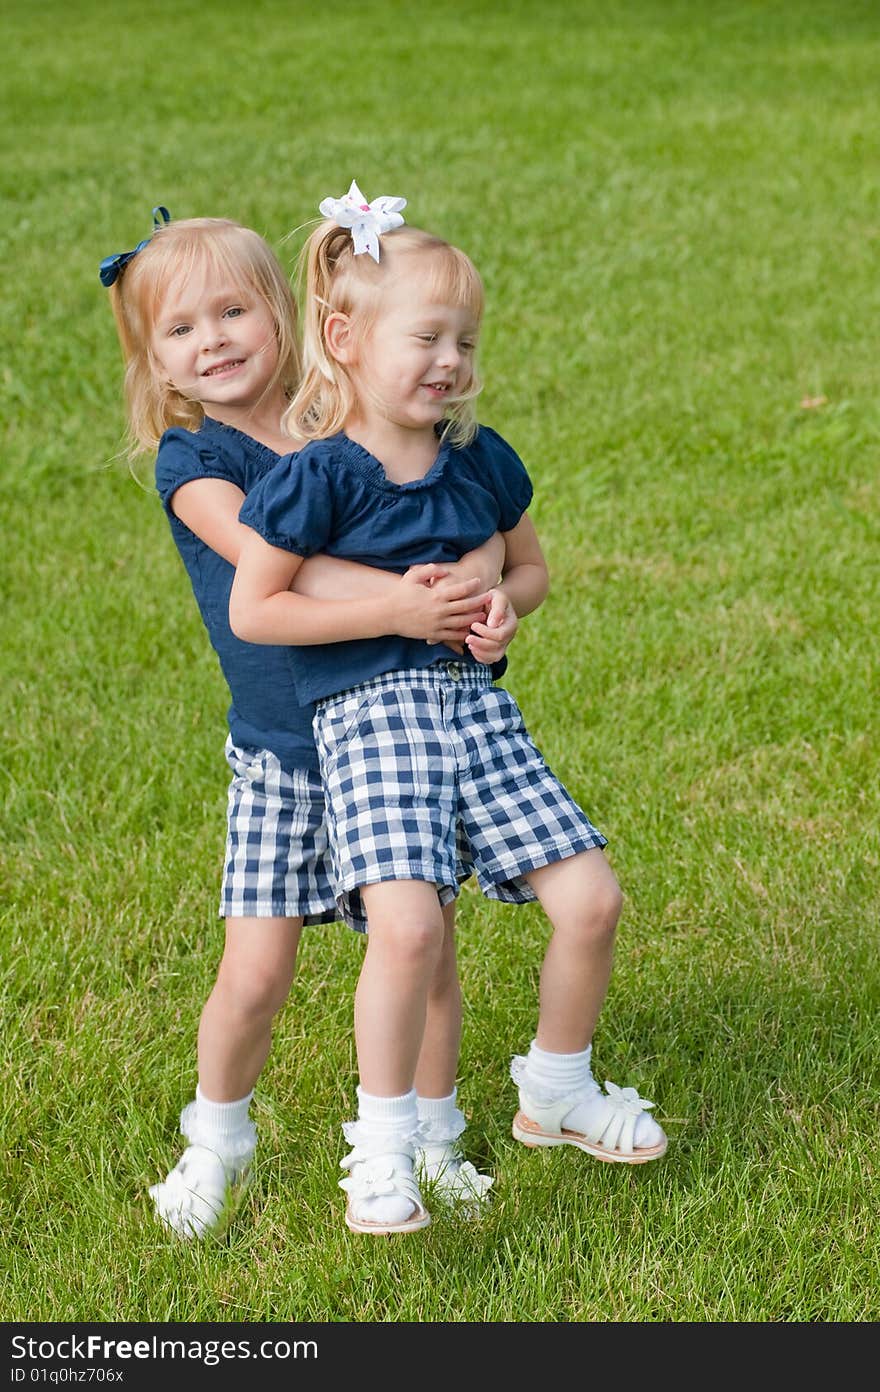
{"type": "Point", "coordinates": [367, 220]}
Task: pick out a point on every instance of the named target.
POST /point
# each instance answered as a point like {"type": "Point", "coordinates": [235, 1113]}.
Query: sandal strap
{"type": "Point", "coordinates": [198, 1172]}
{"type": "Point", "coordinates": [462, 1180]}
{"type": "Point", "coordinates": [195, 1195]}
{"type": "Point", "coordinates": [470, 1182]}
{"type": "Point", "coordinates": [616, 1131]}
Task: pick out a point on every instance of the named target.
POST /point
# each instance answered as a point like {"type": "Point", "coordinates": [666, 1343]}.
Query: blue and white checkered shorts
{"type": "Point", "coordinates": [277, 858]}
{"type": "Point", "coordinates": [429, 773]}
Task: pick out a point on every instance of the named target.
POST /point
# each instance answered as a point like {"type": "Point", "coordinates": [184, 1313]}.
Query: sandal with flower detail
{"type": "Point", "coordinates": [376, 1173]}
{"type": "Point", "coordinates": [203, 1192]}
{"type": "Point", "coordinates": [611, 1133]}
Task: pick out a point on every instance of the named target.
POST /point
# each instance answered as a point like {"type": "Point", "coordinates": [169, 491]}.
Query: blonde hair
{"type": "Point", "coordinates": [221, 247]}
{"type": "Point", "coordinates": [333, 280]}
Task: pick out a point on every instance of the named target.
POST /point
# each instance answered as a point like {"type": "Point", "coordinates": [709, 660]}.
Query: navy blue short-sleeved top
{"type": "Point", "coordinates": [265, 712]}
{"type": "Point", "coordinates": [333, 496]}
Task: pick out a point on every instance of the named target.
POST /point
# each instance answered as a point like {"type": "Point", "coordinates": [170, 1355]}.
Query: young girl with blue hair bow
{"type": "Point", "coordinates": [209, 333]}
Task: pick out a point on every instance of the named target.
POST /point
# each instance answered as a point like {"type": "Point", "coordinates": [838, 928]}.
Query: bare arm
{"type": "Point", "coordinates": [523, 587]}
{"type": "Point", "coordinates": [355, 601]}
{"type": "Point", "coordinates": [210, 508]}
{"type": "Point", "coordinates": [262, 608]}
{"type": "Point", "coordinates": [486, 562]}
{"type": "Point", "coordinates": [525, 581]}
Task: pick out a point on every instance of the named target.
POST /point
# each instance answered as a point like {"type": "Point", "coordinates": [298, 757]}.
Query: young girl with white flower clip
{"type": "Point", "coordinates": [418, 747]}
{"type": "Point", "coordinates": [209, 332]}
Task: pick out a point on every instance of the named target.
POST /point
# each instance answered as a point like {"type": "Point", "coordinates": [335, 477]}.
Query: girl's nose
{"type": "Point", "coordinates": [214, 335]}
{"type": "Point", "coordinates": [449, 355]}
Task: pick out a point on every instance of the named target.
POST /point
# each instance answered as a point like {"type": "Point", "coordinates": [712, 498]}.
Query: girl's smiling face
{"type": "Point", "coordinates": [216, 344]}
{"type": "Point", "coordinates": [414, 358]}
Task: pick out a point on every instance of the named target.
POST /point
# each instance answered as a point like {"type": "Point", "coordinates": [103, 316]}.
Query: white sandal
{"type": "Point", "coordinates": [374, 1174]}
{"type": "Point", "coordinates": [204, 1191]}
{"type": "Point", "coordinates": [539, 1120]}
{"type": "Point", "coordinates": [439, 1163]}
{"type": "Point", "coordinates": [200, 1195]}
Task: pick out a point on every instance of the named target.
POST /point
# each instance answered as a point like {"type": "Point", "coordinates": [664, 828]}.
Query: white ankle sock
{"type": "Point", "coordinates": [391, 1119]}
{"type": "Point", "coordinates": [442, 1124]}
{"type": "Point", "coordinates": [224, 1127]}
{"type": "Point", "coordinates": [387, 1115]}
{"type": "Point", "coordinates": [560, 1073]}
{"type": "Point", "coordinates": [440, 1113]}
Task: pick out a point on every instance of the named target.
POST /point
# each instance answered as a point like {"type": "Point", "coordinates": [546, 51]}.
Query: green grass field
{"type": "Point", "coordinates": [676, 209]}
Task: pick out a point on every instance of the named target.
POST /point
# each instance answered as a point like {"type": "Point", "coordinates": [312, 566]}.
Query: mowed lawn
{"type": "Point", "coordinates": [676, 210]}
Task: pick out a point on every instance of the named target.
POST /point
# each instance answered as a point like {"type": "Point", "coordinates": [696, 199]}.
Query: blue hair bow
{"type": "Point", "coordinates": [113, 266]}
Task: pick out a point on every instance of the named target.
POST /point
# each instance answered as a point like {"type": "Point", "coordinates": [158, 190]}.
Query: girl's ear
{"type": "Point", "coordinates": [339, 336]}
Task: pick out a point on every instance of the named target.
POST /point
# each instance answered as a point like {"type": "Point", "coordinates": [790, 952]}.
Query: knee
{"type": "Point", "coordinates": [609, 905]}
{"type": "Point", "coordinates": [257, 994]}
{"type": "Point", "coordinates": [414, 943]}
{"type": "Point", "coordinates": [594, 925]}
{"type": "Point", "coordinates": [604, 911]}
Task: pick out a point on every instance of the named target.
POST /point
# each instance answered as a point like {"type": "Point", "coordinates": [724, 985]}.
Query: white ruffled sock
{"type": "Point", "coordinates": [224, 1127]}
{"type": "Point", "coordinates": [442, 1123]}
{"type": "Point", "coordinates": [558, 1074]}
{"type": "Point", "coordinates": [392, 1120]}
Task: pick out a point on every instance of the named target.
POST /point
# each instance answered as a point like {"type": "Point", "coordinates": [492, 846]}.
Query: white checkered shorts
{"type": "Point", "coordinates": [277, 859]}
{"type": "Point", "coordinates": [429, 773]}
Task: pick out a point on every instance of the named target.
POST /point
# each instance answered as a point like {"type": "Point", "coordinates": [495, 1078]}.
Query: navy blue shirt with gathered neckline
{"type": "Point", "coordinates": [333, 496]}
{"type": "Point", "coordinates": [265, 712]}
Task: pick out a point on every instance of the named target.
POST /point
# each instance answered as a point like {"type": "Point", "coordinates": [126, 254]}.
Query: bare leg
{"type": "Point", "coordinates": [439, 1155]}
{"type": "Point", "coordinates": [235, 1034]}
{"type": "Point", "coordinates": [391, 1001]}
{"type": "Point", "coordinates": [582, 899]}
{"type": "Point", "coordinates": [560, 1101]}
{"type": "Point", "coordinates": [404, 946]}
{"type": "Point", "coordinates": [438, 1061]}
{"type": "Point", "coordinates": [253, 983]}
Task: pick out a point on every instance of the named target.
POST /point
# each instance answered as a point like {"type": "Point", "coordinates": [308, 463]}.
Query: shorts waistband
{"type": "Point", "coordinates": [438, 676]}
